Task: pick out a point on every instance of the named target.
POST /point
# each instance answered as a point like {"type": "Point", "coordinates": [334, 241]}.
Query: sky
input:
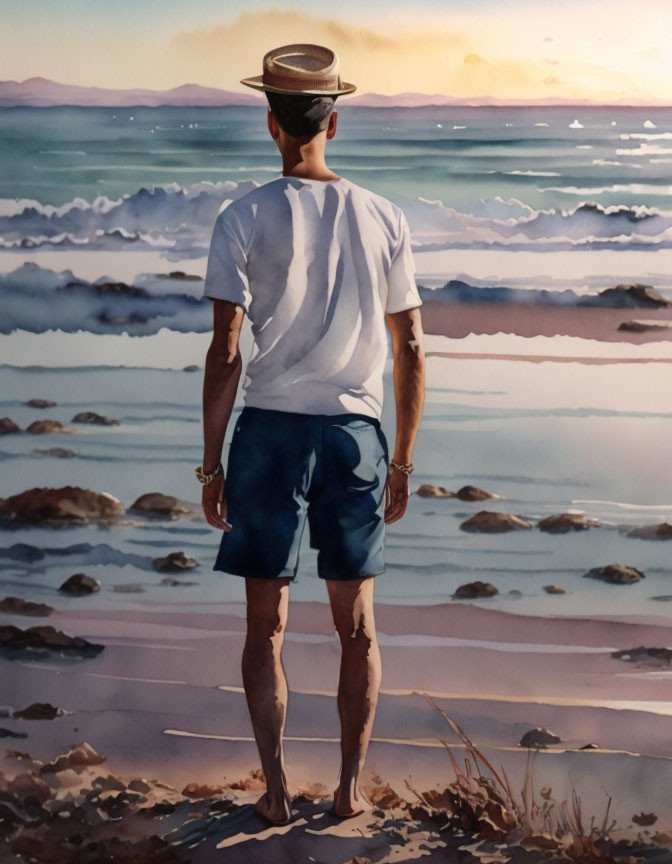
{"type": "Point", "coordinates": [600, 50]}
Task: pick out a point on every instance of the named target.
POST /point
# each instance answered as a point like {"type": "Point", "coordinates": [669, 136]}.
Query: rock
{"type": "Point", "coordinates": [80, 756]}
{"type": "Point", "coordinates": [138, 784]}
{"type": "Point", "coordinates": [539, 737]}
{"type": "Point", "coordinates": [554, 589]}
{"type": "Point", "coordinates": [514, 592]}
{"type": "Point", "coordinates": [662, 531]}
{"type": "Point", "coordinates": [565, 522]}
{"type": "Point", "coordinates": [202, 790]}
{"type": "Point", "coordinates": [63, 505]}
{"type": "Point", "coordinates": [24, 785]}
{"type": "Point", "coordinates": [8, 426]}
{"type": "Point", "coordinates": [79, 584]}
{"type": "Point", "coordinates": [633, 296]}
{"type": "Point", "coordinates": [616, 574]}
{"type": "Point", "coordinates": [644, 819]}
{"type": "Point", "coordinates": [427, 490]}
{"type": "Point", "coordinates": [472, 493]}
{"type": "Point", "coordinates": [180, 274]}
{"type": "Point", "coordinates": [10, 733]}
{"type": "Point", "coordinates": [18, 606]}
{"type": "Point", "coordinates": [590, 746]}
{"type": "Point", "coordinates": [111, 783]}
{"type": "Point", "coordinates": [92, 417]}
{"type": "Point", "coordinates": [40, 711]}
{"type": "Point", "coordinates": [158, 505]}
{"type": "Point", "coordinates": [40, 403]}
{"type": "Point", "coordinates": [644, 326]}
{"type": "Point", "coordinates": [58, 452]}
{"type": "Point", "coordinates": [475, 589]}
{"type": "Point", "coordinates": [174, 562]}
{"type": "Point", "coordinates": [47, 427]}
{"type": "Point", "coordinates": [647, 656]}
{"type": "Point", "coordinates": [193, 367]}
{"type": "Point", "coordinates": [486, 522]}
{"type": "Point", "coordinates": [40, 640]}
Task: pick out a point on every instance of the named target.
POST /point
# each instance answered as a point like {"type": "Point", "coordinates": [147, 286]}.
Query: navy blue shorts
{"type": "Point", "coordinates": [286, 468]}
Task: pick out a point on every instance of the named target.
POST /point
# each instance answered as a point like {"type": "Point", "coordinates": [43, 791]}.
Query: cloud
{"type": "Point", "coordinates": [375, 60]}
{"type": "Point", "coordinates": [457, 56]}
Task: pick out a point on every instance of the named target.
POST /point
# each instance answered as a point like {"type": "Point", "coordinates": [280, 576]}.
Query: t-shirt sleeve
{"type": "Point", "coordinates": [402, 292]}
{"type": "Point", "coordinates": [226, 274]}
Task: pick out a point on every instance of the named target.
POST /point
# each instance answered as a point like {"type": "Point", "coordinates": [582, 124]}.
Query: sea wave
{"type": "Point", "coordinates": [37, 300]}
{"type": "Point", "coordinates": [513, 225]}
{"type": "Point", "coordinates": [170, 216]}
{"type": "Point", "coordinates": [177, 221]}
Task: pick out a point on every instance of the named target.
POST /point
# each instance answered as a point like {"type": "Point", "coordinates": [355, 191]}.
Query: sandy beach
{"type": "Point", "coordinates": [164, 701]}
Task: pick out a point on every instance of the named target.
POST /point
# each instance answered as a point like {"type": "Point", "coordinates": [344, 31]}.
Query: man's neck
{"type": "Point", "coordinates": [306, 161]}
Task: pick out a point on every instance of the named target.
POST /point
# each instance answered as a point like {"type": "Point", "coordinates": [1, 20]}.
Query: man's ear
{"type": "Point", "coordinates": [333, 123]}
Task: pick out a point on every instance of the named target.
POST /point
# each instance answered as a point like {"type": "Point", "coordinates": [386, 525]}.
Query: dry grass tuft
{"type": "Point", "coordinates": [481, 802]}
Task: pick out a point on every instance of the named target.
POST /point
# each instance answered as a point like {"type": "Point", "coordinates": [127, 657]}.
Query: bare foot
{"type": "Point", "coordinates": [348, 804]}
{"type": "Point", "coordinates": [275, 812]}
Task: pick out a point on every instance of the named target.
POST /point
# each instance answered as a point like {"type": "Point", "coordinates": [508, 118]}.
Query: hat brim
{"type": "Point", "coordinates": [257, 82]}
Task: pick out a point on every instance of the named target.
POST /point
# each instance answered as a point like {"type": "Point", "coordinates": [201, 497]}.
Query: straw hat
{"type": "Point", "coordinates": [301, 68]}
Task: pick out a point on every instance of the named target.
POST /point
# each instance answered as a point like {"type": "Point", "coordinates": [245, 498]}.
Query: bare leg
{"type": "Point", "coordinates": [359, 682]}
{"type": "Point", "coordinates": [266, 687]}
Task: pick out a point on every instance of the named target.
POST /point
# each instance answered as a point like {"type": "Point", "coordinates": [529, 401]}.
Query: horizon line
{"type": "Point", "coordinates": [447, 99]}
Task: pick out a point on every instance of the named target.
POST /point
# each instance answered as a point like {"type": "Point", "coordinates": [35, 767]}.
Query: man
{"type": "Point", "coordinates": [320, 264]}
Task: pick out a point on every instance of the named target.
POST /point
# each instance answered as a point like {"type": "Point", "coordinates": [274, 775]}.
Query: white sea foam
{"type": "Point", "coordinates": [604, 163]}
{"type": "Point", "coordinates": [531, 173]}
{"type": "Point", "coordinates": [644, 150]}
{"type": "Point", "coordinates": [648, 136]}
{"type": "Point", "coordinates": [178, 219]}
{"type": "Point", "coordinates": [632, 188]}
{"type": "Point", "coordinates": [622, 505]}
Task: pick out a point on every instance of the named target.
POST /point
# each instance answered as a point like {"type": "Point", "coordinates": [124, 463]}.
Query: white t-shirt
{"type": "Point", "coordinates": [316, 264]}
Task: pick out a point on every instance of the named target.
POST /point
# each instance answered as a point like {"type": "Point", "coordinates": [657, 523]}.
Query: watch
{"type": "Point", "coordinates": [208, 478]}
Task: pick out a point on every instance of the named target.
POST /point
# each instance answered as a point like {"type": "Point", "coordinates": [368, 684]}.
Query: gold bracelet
{"type": "Point", "coordinates": [208, 478]}
{"type": "Point", "coordinates": [404, 467]}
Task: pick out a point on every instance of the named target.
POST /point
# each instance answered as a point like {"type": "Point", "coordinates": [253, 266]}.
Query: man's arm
{"type": "Point", "coordinates": [223, 365]}
{"type": "Point", "coordinates": [409, 394]}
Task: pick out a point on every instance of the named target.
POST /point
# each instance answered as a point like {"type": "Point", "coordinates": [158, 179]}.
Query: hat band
{"type": "Point", "coordinates": [306, 82]}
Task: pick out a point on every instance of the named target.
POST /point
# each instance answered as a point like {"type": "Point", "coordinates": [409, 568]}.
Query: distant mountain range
{"type": "Point", "coordinates": [44, 93]}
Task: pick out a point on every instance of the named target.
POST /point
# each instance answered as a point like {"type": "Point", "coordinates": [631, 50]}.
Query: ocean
{"type": "Point", "coordinates": [554, 198]}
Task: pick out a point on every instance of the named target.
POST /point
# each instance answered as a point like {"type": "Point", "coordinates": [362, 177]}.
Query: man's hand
{"type": "Point", "coordinates": [214, 503]}
{"type": "Point", "coordinates": [396, 495]}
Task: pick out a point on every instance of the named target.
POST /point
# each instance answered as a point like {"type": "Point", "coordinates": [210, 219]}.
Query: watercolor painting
{"type": "Point", "coordinates": [523, 617]}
